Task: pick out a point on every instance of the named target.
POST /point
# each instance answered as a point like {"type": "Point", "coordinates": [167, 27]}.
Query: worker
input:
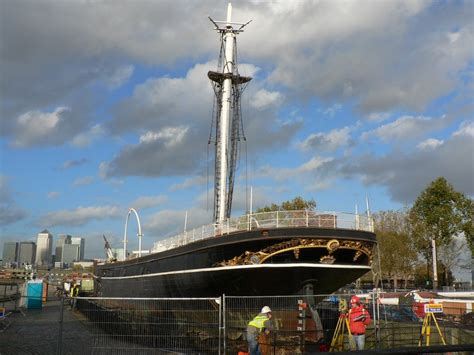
{"type": "Point", "coordinates": [75, 290]}
{"type": "Point", "coordinates": [359, 318]}
{"type": "Point", "coordinates": [74, 294]}
{"type": "Point", "coordinates": [260, 324]}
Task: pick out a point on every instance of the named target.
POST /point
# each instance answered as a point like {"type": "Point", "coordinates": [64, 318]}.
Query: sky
{"type": "Point", "coordinates": [106, 105]}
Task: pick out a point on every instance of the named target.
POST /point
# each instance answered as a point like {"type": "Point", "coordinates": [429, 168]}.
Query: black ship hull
{"type": "Point", "coordinates": [280, 261]}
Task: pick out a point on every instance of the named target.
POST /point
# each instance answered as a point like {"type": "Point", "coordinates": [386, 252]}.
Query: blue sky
{"type": "Point", "coordinates": [106, 106]}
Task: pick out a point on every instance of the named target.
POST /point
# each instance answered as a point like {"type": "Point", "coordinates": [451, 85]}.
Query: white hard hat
{"type": "Point", "coordinates": [266, 309]}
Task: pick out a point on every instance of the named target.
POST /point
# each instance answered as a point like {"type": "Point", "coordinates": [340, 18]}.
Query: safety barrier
{"type": "Point", "coordinates": [302, 324]}
{"type": "Point", "coordinates": [165, 324]}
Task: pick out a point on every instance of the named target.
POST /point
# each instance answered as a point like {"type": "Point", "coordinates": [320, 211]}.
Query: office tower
{"type": "Point", "coordinates": [10, 253]}
{"type": "Point", "coordinates": [44, 248]}
{"type": "Point", "coordinates": [82, 243]}
{"type": "Point", "coordinates": [27, 253]}
{"type": "Point", "coordinates": [63, 239]}
{"type": "Point", "coordinates": [70, 253]}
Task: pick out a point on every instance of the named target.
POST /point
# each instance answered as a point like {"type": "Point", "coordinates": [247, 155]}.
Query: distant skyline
{"type": "Point", "coordinates": [106, 106]}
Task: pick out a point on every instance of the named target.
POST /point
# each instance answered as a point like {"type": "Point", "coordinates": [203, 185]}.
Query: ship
{"type": "Point", "coordinates": [269, 253]}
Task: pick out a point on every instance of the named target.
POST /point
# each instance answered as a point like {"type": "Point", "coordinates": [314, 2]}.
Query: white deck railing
{"type": "Point", "coordinates": [270, 220]}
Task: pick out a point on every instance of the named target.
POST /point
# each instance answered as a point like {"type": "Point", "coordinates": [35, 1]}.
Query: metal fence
{"type": "Point", "coordinates": [302, 325]}
{"type": "Point", "coordinates": [153, 325]}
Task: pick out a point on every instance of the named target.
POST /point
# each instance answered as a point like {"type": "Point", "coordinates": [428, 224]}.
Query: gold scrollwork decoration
{"type": "Point", "coordinates": [295, 246]}
{"type": "Point", "coordinates": [327, 259]}
{"type": "Point", "coordinates": [332, 245]}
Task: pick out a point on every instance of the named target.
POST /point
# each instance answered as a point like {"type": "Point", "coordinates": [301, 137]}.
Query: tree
{"type": "Point", "coordinates": [439, 213]}
{"type": "Point", "coordinates": [451, 257]}
{"type": "Point", "coordinates": [298, 203]}
{"type": "Point", "coordinates": [398, 257]}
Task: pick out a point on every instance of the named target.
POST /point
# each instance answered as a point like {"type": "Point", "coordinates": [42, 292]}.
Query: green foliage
{"type": "Point", "coordinates": [298, 203]}
{"type": "Point", "coordinates": [398, 257]}
{"type": "Point", "coordinates": [440, 213]}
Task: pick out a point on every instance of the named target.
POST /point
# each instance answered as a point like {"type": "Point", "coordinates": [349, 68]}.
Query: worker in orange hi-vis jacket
{"type": "Point", "coordinates": [359, 318]}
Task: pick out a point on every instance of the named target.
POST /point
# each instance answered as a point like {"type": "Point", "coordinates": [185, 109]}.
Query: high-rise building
{"type": "Point", "coordinates": [27, 253]}
{"type": "Point", "coordinates": [70, 254]}
{"type": "Point", "coordinates": [10, 253]}
{"type": "Point", "coordinates": [82, 244]}
{"type": "Point", "coordinates": [62, 239]}
{"type": "Point", "coordinates": [44, 248]}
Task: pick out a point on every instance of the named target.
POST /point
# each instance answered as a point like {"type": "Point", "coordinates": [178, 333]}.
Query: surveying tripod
{"type": "Point", "coordinates": [426, 329]}
{"type": "Point", "coordinates": [337, 342]}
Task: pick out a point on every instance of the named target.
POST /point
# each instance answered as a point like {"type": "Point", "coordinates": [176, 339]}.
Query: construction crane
{"type": "Point", "coordinates": [108, 250]}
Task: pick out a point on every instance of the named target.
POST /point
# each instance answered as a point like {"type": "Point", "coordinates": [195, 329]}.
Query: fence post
{"type": "Point", "coordinates": [220, 325]}
{"type": "Point", "coordinates": [223, 322]}
{"type": "Point", "coordinates": [60, 334]}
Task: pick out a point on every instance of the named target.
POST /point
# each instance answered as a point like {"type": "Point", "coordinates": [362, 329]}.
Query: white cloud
{"type": "Point", "coordinates": [86, 138]}
{"type": "Point", "coordinates": [171, 136]}
{"type": "Point", "coordinates": [430, 143]}
{"type": "Point", "coordinates": [53, 194]}
{"type": "Point", "coordinates": [34, 127]}
{"type": "Point", "coordinates": [299, 172]}
{"type": "Point", "coordinates": [407, 128]}
{"type": "Point", "coordinates": [5, 193]}
{"type": "Point", "coordinates": [9, 211]}
{"type": "Point", "coordinates": [331, 111]}
{"type": "Point", "coordinates": [378, 116]}
{"type": "Point", "coordinates": [331, 141]}
{"type": "Point", "coordinates": [159, 102]}
{"type": "Point", "coordinates": [264, 98]}
{"type": "Point", "coordinates": [189, 182]}
{"type": "Point", "coordinates": [73, 163]}
{"type": "Point", "coordinates": [86, 180]}
{"type": "Point", "coordinates": [148, 201]}
{"type": "Point", "coordinates": [11, 214]}
{"type": "Point", "coordinates": [467, 129]}
{"type": "Point", "coordinates": [405, 175]}
{"type": "Point", "coordinates": [120, 76]}
{"type": "Point", "coordinates": [80, 216]}
{"type": "Point", "coordinates": [171, 222]}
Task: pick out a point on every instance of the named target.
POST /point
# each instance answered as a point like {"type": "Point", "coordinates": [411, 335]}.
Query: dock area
{"type": "Point", "coordinates": [36, 331]}
{"type": "Point", "coordinates": [97, 325]}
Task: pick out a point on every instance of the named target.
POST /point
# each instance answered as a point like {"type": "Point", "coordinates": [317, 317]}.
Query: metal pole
{"type": "Point", "coordinates": [228, 68]}
{"type": "Point", "coordinates": [251, 199]}
{"type": "Point", "coordinates": [435, 267]}
{"type": "Point", "coordinates": [223, 322]}
{"type": "Point", "coordinates": [185, 221]}
{"type": "Point", "coordinates": [220, 324]}
{"type": "Point", "coordinates": [125, 238]}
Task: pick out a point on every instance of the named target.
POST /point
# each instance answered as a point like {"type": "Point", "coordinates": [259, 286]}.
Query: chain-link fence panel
{"type": "Point", "coordinates": [153, 326]}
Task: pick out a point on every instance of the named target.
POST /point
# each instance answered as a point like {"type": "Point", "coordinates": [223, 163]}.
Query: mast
{"type": "Point", "coordinates": [228, 86]}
